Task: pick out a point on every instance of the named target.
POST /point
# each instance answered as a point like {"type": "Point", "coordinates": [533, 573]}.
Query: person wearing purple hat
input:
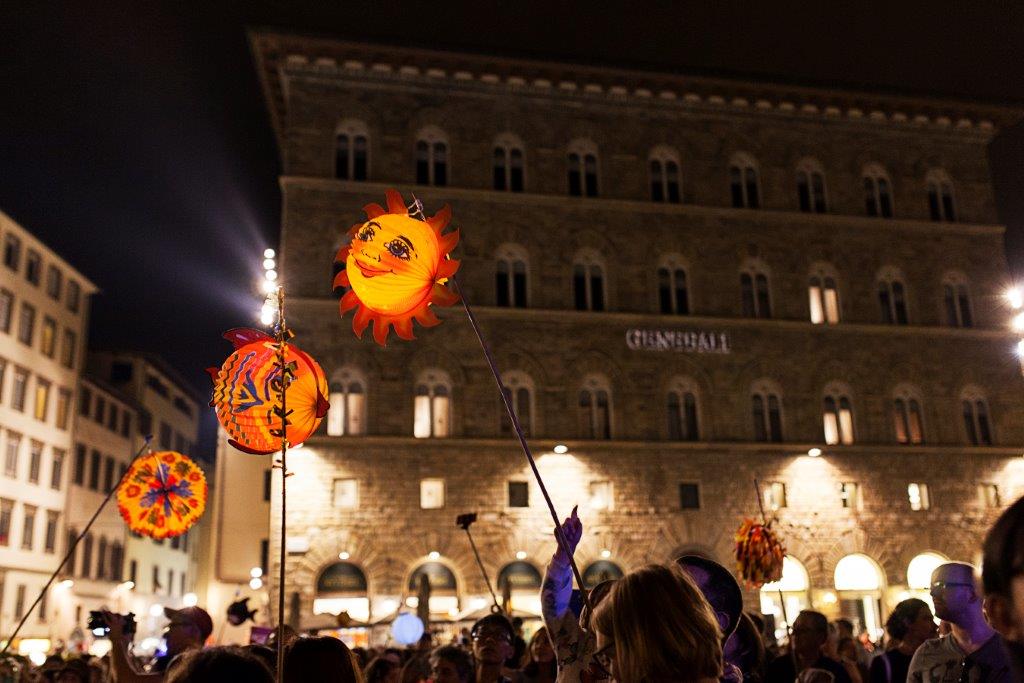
{"type": "Point", "coordinates": [188, 629]}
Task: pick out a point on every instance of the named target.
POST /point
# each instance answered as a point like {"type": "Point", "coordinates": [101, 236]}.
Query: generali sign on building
{"type": "Point", "coordinates": [684, 341]}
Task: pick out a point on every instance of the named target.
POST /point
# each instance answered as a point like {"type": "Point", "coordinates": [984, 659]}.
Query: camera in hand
{"type": "Point", "coordinates": [99, 626]}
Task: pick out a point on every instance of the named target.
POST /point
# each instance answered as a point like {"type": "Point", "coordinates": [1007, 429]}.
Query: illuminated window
{"type": "Point", "coordinates": [432, 157]}
{"type": "Point", "coordinates": [766, 406]}
{"type": "Point", "coordinates": [42, 402]}
{"type": "Point", "coordinates": [508, 163]}
{"type": "Point", "coordinates": [744, 184]}
{"type": "Point", "coordinates": [941, 206]}
{"type": "Point", "coordinates": [754, 291]}
{"type": "Point", "coordinates": [582, 168]}
{"type": "Point", "coordinates": [837, 416]}
{"type": "Point", "coordinates": [351, 151]}
{"type": "Point", "coordinates": [683, 423]}
{"type": "Point", "coordinates": [510, 276]}
{"type": "Point", "coordinates": [48, 337]}
{"type": "Point", "coordinates": [810, 186]}
{"type": "Point", "coordinates": [850, 495]}
{"type": "Point", "coordinates": [347, 414]}
{"type": "Point", "coordinates": [976, 420]}
{"type": "Point", "coordinates": [906, 417]}
{"type": "Point", "coordinates": [519, 391]}
{"type": "Point", "coordinates": [588, 281]}
{"type": "Point", "coordinates": [601, 495]}
{"type": "Point", "coordinates": [664, 167]}
{"type": "Point", "coordinates": [673, 288]}
{"type": "Point", "coordinates": [989, 496]}
{"type": "Point", "coordinates": [346, 494]}
{"type": "Point", "coordinates": [918, 496]}
{"type": "Point", "coordinates": [431, 494]}
{"type": "Point", "coordinates": [823, 295]}
{"type": "Point", "coordinates": [857, 573]}
{"type": "Point", "coordinates": [432, 405]}
{"type": "Point", "coordinates": [877, 191]}
{"type": "Point", "coordinates": [956, 300]}
{"type": "Point", "coordinates": [775, 495]}
{"type": "Point", "coordinates": [595, 408]}
{"type": "Point", "coordinates": [892, 297]}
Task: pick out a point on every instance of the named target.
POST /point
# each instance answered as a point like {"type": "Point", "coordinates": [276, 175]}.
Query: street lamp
{"type": "Point", "coordinates": [269, 286]}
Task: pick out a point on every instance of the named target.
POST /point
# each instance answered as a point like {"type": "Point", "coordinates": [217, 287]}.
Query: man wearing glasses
{"type": "Point", "coordinates": [972, 651]}
{"type": "Point", "coordinates": [492, 645]}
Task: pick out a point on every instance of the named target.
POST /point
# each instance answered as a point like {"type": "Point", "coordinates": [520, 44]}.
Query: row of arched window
{"type": "Point", "coordinates": [512, 288]}
{"type": "Point", "coordinates": [432, 410]}
{"type": "Point", "coordinates": [432, 156]}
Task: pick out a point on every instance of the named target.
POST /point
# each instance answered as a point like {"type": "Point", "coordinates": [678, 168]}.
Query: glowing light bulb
{"type": "Point", "coordinates": [269, 264]}
{"type": "Point", "coordinates": [256, 583]}
{"type": "Point", "coordinates": [1020, 348]}
{"type": "Point", "coordinates": [269, 287]}
{"type": "Point", "coordinates": [267, 317]}
{"type": "Point", "coordinates": [256, 572]}
{"type": "Point", "coordinates": [190, 600]}
{"type": "Point", "coordinates": [434, 555]}
{"type": "Point", "coordinates": [269, 253]}
{"type": "Point", "coordinates": [271, 275]}
{"type": "Point", "coordinates": [606, 553]}
{"type": "Point", "coordinates": [560, 448]}
{"type": "Point", "coordinates": [814, 452]}
{"type": "Point", "coordinates": [343, 555]}
{"type": "Point", "coordinates": [521, 555]}
{"type": "Point", "coordinates": [1015, 297]}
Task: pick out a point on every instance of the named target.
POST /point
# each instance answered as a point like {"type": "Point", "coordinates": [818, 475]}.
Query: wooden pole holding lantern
{"type": "Point", "coordinates": [282, 342]}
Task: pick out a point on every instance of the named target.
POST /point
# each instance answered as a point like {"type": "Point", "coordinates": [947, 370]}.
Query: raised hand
{"type": "Point", "coordinates": [571, 531]}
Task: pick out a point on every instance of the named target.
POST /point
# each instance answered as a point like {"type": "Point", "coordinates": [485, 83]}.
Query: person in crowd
{"type": "Point", "coordinates": [362, 657]}
{"type": "Point", "coordinates": [518, 645]}
{"type": "Point", "coordinates": [655, 625]}
{"type": "Point", "coordinates": [719, 588]}
{"type": "Point", "coordinates": [217, 664]}
{"type": "Point", "coordinates": [320, 660]}
{"type": "Point", "coordinates": [831, 651]}
{"type": "Point", "coordinates": [847, 652]}
{"type": "Point", "coordinates": [415, 670]}
{"type": "Point", "coordinates": [806, 643]}
{"type": "Point", "coordinates": [909, 625]}
{"type": "Point", "coordinates": [492, 636]}
{"type": "Point", "coordinates": [571, 637]}
{"type": "Point", "coordinates": [188, 629]}
{"type": "Point", "coordinates": [744, 650]}
{"type": "Point", "coordinates": [845, 629]}
{"type": "Point", "coordinates": [382, 670]}
{"type": "Point", "coordinates": [265, 654]}
{"type": "Point", "coordinates": [1002, 577]}
{"type": "Point", "coordinates": [451, 664]}
{"type": "Point", "coordinates": [73, 671]}
{"type": "Point", "coordinates": [973, 650]}
{"type": "Point", "coordinates": [540, 666]}
{"type": "Point", "coordinates": [425, 644]}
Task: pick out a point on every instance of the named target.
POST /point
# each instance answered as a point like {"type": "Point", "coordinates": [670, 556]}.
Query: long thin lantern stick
{"type": "Point", "coordinates": [764, 520]}
{"type": "Point", "coordinates": [74, 545]}
{"type": "Point", "coordinates": [282, 337]}
{"type": "Point", "coordinates": [483, 571]}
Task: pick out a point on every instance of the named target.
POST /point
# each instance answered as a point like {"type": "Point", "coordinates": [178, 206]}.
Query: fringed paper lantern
{"type": "Point", "coordinates": [396, 267]}
{"type": "Point", "coordinates": [759, 554]}
{"type": "Point", "coordinates": [247, 393]}
{"type": "Point", "coordinates": [162, 495]}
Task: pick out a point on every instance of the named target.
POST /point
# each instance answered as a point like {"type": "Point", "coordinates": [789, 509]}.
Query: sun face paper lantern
{"type": "Point", "coordinates": [396, 267]}
{"type": "Point", "coordinates": [162, 495]}
{"type": "Point", "coordinates": [247, 393]}
{"type": "Point", "coordinates": [759, 554]}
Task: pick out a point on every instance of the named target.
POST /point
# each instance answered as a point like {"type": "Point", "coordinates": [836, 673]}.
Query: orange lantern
{"type": "Point", "coordinates": [396, 267]}
{"type": "Point", "coordinates": [162, 494]}
{"type": "Point", "coordinates": [247, 393]}
{"type": "Point", "coordinates": [759, 554]}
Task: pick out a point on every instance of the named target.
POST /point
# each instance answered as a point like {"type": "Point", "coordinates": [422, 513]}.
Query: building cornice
{"type": "Point", "coordinates": [280, 55]}
{"type": "Point", "coordinates": [755, 217]}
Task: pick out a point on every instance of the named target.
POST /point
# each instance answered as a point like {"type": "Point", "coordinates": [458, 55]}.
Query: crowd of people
{"type": "Point", "coordinates": [661, 623]}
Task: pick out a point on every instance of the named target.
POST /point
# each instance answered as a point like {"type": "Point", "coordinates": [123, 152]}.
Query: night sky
{"type": "Point", "coordinates": [134, 139]}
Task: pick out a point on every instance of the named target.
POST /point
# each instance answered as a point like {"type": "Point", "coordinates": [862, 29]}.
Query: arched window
{"type": "Point", "coordinates": [519, 390]}
{"type": "Point", "coordinates": [837, 415]}
{"type": "Point", "coordinates": [588, 281]}
{"type": "Point", "coordinates": [941, 206]}
{"type": "Point", "coordinates": [892, 297]}
{"type": "Point", "coordinates": [754, 290]}
{"type": "Point", "coordinates": [823, 295]}
{"type": "Point", "coordinates": [810, 186]}
{"type": "Point", "coordinates": [347, 414]}
{"type": "Point", "coordinates": [977, 425]}
{"type": "Point", "coordinates": [673, 286]}
{"type": "Point", "coordinates": [766, 406]}
{"type": "Point", "coordinates": [582, 168]}
{"type": "Point", "coordinates": [595, 408]}
{"type": "Point", "coordinates": [906, 416]}
{"type": "Point", "coordinates": [683, 413]}
{"type": "Point", "coordinates": [664, 166]}
{"type": "Point", "coordinates": [956, 300]}
{"type": "Point", "coordinates": [510, 276]}
{"type": "Point", "coordinates": [508, 163]}
{"type": "Point", "coordinates": [433, 405]}
{"type": "Point", "coordinates": [877, 191]}
{"type": "Point", "coordinates": [432, 157]}
{"type": "Point", "coordinates": [744, 184]}
{"type": "Point", "coordinates": [351, 150]}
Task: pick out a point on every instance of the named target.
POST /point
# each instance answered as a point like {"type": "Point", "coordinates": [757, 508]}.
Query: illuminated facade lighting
{"type": "Point", "coordinates": [814, 452]}
{"type": "Point", "coordinates": [434, 555]}
{"type": "Point", "coordinates": [561, 448]}
{"type": "Point", "coordinates": [343, 555]}
{"type": "Point", "coordinates": [1015, 297]}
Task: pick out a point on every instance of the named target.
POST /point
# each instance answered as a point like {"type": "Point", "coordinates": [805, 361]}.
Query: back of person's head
{"type": "Point", "coordinates": [1002, 564]}
{"type": "Point", "coordinates": [719, 587]}
{"type": "Point", "coordinates": [596, 594]}
{"type": "Point", "coordinates": [845, 626]}
{"type": "Point", "coordinates": [379, 669]}
{"type": "Point", "coordinates": [322, 658]}
{"type": "Point", "coordinates": [745, 650]}
{"type": "Point", "coordinates": [415, 670]}
{"type": "Point", "coordinates": [662, 627]}
{"type": "Point", "coordinates": [903, 615]}
{"type": "Point", "coordinates": [216, 664]}
{"type": "Point", "coordinates": [265, 654]}
{"type": "Point", "coordinates": [540, 644]}
{"type": "Point", "coordinates": [457, 658]}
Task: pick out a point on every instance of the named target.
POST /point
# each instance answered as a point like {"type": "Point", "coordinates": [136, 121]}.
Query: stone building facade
{"type": "Point", "coordinates": [689, 284]}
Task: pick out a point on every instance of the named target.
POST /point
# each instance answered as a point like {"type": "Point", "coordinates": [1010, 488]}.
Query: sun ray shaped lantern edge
{"type": "Point", "coordinates": [162, 495]}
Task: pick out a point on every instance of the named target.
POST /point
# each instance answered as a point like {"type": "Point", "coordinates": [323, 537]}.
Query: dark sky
{"type": "Point", "coordinates": [134, 139]}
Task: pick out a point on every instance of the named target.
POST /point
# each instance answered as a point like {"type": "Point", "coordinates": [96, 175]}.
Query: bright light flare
{"type": "Point", "coordinates": [256, 572]}
{"type": "Point", "coordinates": [256, 583]}
{"type": "Point", "coordinates": [271, 275]}
{"type": "Point", "coordinates": [190, 600]}
{"type": "Point", "coordinates": [561, 449]}
{"type": "Point", "coordinates": [1020, 348]}
{"type": "Point", "coordinates": [1015, 297]}
{"type": "Point", "coordinates": [66, 583]}
{"type": "Point", "coordinates": [269, 264]}
{"type": "Point", "coordinates": [156, 609]}
{"type": "Point", "coordinates": [1017, 322]}
{"type": "Point", "coordinates": [814, 452]}
{"type": "Point", "coordinates": [269, 253]}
